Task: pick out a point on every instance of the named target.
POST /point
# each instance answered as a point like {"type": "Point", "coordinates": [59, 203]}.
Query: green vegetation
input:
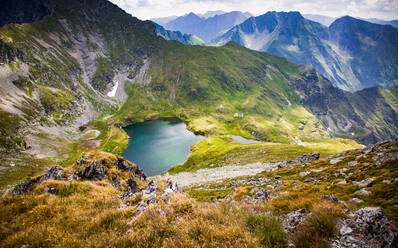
{"type": "Point", "coordinates": [268, 229]}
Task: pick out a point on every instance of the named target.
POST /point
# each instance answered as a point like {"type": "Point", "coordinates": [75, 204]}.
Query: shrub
{"type": "Point", "coordinates": [72, 188]}
{"type": "Point", "coordinates": [319, 227]}
{"type": "Point", "coordinates": [268, 229]}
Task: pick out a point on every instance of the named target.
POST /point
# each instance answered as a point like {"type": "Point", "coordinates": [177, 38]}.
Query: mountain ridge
{"type": "Point", "coordinates": [307, 42]}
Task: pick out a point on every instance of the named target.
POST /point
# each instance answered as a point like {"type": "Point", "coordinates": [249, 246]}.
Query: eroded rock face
{"type": "Point", "coordinates": [367, 227]}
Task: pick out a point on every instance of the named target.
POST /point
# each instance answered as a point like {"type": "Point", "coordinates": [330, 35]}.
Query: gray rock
{"type": "Point", "coordinates": [150, 192]}
{"type": "Point", "coordinates": [344, 182]}
{"type": "Point", "coordinates": [386, 181]}
{"type": "Point", "coordinates": [302, 159]}
{"type": "Point", "coordinates": [352, 163]}
{"type": "Point", "coordinates": [132, 189]}
{"type": "Point", "coordinates": [356, 200]}
{"type": "Point", "coordinates": [367, 227]}
{"type": "Point", "coordinates": [382, 157]}
{"type": "Point", "coordinates": [24, 188]}
{"type": "Point", "coordinates": [54, 173]}
{"type": "Point", "coordinates": [292, 220]}
{"type": "Point", "coordinates": [331, 198]}
{"type": "Point", "coordinates": [363, 192]}
{"type": "Point", "coordinates": [94, 171]}
{"type": "Point", "coordinates": [336, 160]}
{"type": "Point", "coordinates": [170, 188]}
{"type": "Point", "coordinates": [261, 195]}
{"type": "Point", "coordinates": [51, 190]}
{"type": "Point", "coordinates": [364, 183]}
{"type": "Point", "coordinates": [304, 173]}
{"type": "Point", "coordinates": [311, 179]}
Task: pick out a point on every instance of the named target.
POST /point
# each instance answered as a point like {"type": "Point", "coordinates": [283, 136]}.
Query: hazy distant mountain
{"type": "Point", "coordinates": [393, 23]}
{"type": "Point", "coordinates": [353, 54]}
{"type": "Point", "coordinates": [327, 20]}
{"type": "Point", "coordinates": [163, 20]}
{"type": "Point", "coordinates": [187, 39]}
{"type": "Point", "coordinates": [324, 20]}
{"type": "Point", "coordinates": [206, 28]}
{"type": "Point", "coordinates": [212, 13]}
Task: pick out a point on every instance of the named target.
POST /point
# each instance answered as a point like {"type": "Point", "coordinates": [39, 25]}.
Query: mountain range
{"type": "Point", "coordinates": [352, 53]}
{"type": "Point", "coordinates": [206, 28]}
{"type": "Point", "coordinates": [327, 20]}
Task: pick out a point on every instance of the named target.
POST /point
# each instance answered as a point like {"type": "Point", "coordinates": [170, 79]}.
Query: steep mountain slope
{"type": "Point", "coordinates": [353, 54]}
{"type": "Point", "coordinates": [187, 39]}
{"type": "Point", "coordinates": [206, 28]}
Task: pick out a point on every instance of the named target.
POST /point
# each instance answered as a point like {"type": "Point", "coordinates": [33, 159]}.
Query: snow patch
{"type": "Point", "coordinates": [112, 93]}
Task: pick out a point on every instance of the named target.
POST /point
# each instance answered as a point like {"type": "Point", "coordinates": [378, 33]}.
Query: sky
{"type": "Point", "coordinates": [148, 9]}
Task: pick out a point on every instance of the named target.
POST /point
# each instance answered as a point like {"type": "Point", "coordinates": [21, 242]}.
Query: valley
{"type": "Point", "coordinates": [115, 132]}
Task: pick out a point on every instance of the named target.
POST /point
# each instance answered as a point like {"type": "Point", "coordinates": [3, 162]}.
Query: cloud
{"type": "Point", "coordinates": [147, 9]}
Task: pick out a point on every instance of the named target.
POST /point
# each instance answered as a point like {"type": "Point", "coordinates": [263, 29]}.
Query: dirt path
{"type": "Point", "coordinates": [214, 174]}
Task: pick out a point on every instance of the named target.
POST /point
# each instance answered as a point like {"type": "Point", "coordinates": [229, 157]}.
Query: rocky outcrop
{"type": "Point", "coordinates": [367, 227]}
{"type": "Point", "coordinates": [55, 173]}
{"type": "Point", "coordinates": [302, 159]}
{"type": "Point", "coordinates": [93, 166]}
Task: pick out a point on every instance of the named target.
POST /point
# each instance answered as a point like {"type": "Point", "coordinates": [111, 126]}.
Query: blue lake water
{"type": "Point", "coordinates": [156, 146]}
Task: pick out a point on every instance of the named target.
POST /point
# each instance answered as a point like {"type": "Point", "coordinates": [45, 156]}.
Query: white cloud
{"type": "Point", "coordinates": [146, 9]}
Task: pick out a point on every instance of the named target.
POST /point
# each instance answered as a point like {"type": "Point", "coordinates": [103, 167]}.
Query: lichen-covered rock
{"type": "Point", "coordinates": [367, 227]}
